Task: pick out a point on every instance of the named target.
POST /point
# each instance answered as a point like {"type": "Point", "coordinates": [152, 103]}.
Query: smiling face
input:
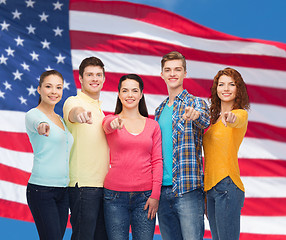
{"type": "Point", "coordinates": [173, 74]}
{"type": "Point", "coordinates": [92, 81]}
{"type": "Point", "coordinates": [130, 94]}
{"type": "Point", "coordinates": [226, 89]}
{"type": "Point", "coordinates": [51, 90]}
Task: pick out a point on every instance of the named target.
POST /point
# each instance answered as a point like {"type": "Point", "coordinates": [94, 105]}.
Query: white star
{"type": "Point", "coordinates": [16, 14]}
{"type": "Point", "coordinates": [30, 3]}
{"type": "Point", "coordinates": [7, 85]}
{"type": "Point", "coordinates": [10, 52]}
{"type": "Point", "coordinates": [66, 85]}
{"type": "Point", "coordinates": [25, 66]}
{"type": "Point", "coordinates": [3, 60]}
{"type": "Point", "coordinates": [58, 31]}
{"type": "Point", "coordinates": [17, 75]}
{"type": "Point", "coordinates": [46, 44]}
{"type": "Point", "coordinates": [35, 56]}
{"type": "Point", "coordinates": [44, 17]}
{"type": "Point", "coordinates": [48, 68]}
{"type": "Point", "coordinates": [4, 25]}
{"type": "Point", "coordinates": [58, 5]}
{"type": "Point", "coordinates": [2, 94]}
{"type": "Point", "coordinates": [32, 90]}
{"type": "Point", "coordinates": [19, 41]}
{"type": "Point", "coordinates": [3, 1]}
{"type": "Point", "coordinates": [31, 29]}
{"type": "Point", "coordinates": [60, 58]}
{"type": "Point", "coordinates": [23, 100]}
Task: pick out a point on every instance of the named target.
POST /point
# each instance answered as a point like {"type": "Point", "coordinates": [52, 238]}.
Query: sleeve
{"type": "Point", "coordinates": [68, 105]}
{"type": "Point", "coordinates": [157, 162]}
{"type": "Point", "coordinates": [204, 119]}
{"type": "Point", "coordinates": [241, 118]}
{"type": "Point", "coordinates": [106, 123]}
{"type": "Point", "coordinates": [32, 121]}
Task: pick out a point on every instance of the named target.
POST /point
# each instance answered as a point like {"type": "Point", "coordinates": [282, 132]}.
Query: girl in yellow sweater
{"type": "Point", "coordinates": [223, 186]}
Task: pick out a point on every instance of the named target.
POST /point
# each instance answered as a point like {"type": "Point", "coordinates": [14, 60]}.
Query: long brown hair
{"type": "Point", "coordinates": [241, 99]}
{"type": "Point", "coordinates": [142, 104]}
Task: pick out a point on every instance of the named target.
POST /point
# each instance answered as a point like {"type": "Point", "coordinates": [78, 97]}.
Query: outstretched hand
{"type": "Point", "coordinates": [84, 117]}
{"type": "Point", "coordinates": [117, 123]}
{"type": "Point", "coordinates": [191, 114]}
{"type": "Point", "coordinates": [44, 129]}
{"type": "Point", "coordinates": [228, 117]}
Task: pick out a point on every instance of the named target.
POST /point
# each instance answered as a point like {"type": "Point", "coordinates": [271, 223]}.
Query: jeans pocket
{"type": "Point", "coordinates": [147, 194]}
{"type": "Point", "coordinates": [110, 195]}
{"type": "Point", "coordinates": [223, 186]}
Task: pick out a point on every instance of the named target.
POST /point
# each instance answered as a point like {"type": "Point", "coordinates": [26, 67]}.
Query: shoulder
{"type": "Point", "coordinates": [32, 113]}
{"type": "Point", "coordinates": [240, 112]}
{"type": "Point", "coordinates": [152, 123]}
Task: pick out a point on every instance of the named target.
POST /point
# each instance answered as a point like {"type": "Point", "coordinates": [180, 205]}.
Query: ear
{"type": "Point", "coordinates": [185, 74]}
{"type": "Point", "coordinates": [38, 89]}
{"type": "Point", "coordinates": [80, 79]}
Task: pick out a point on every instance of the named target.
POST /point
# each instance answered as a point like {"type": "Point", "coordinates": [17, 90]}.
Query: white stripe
{"type": "Point", "coordinates": [13, 192]}
{"type": "Point", "coordinates": [116, 25]}
{"type": "Point", "coordinates": [20, 160]}
{"type": "Point", "coordinates": [263, 225]}
{"type": "Point", "coordinates": [261, 113]}
{"type": "Point", "coordinates": [264, 187]}
{"type": "Point", "coordinates": [150, 65]}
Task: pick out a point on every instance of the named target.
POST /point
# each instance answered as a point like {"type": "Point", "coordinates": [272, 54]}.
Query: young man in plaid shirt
{"type": "Point", "coordinates": [182, 118]}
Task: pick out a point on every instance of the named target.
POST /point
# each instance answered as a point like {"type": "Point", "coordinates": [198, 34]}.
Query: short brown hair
{"type": "Point", "coordinates": [173, 56]}
{"type": "Point", "coordinates": [91, 61]}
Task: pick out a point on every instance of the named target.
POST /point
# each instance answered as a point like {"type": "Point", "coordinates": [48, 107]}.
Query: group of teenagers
{"type": "Point", "coordinates": [118, 171]}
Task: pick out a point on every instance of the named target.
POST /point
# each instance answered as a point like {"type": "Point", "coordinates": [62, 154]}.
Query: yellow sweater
{"type": "Point", "coordinates": [221, 146]}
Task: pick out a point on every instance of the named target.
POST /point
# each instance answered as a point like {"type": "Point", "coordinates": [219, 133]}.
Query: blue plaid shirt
{"type": "Point", "coordinates": [187, 142]}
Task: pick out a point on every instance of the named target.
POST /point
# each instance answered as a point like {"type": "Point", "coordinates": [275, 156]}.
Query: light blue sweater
{"type": "Point", "coordinates": [51, 154]}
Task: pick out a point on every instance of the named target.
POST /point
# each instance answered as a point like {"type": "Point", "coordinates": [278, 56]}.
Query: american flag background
{"type": "Point", "coordinates": [131, 38]}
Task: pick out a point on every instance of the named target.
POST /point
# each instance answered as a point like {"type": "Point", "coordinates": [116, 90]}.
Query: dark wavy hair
{"type": "Point", "coordinates": [142, 104]}
{"type": "Point", "coordinates": [241, 99]}
{"type": "Point", "coordinates": [46, 74]}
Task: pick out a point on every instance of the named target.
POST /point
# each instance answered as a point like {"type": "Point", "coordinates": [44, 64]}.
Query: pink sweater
{"type": "Point", "coordinates": [135, 160]}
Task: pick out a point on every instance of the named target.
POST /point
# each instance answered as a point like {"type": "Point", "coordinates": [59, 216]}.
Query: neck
{"type": "Point", "coordinates": [130, 113]}
{"type": "Point", "coordinates": [94, 96]}
{"type": "Point", "coordinates": [226, 107]}
{"type": "Point", "coordinates": [173, 93]}
{"type": "Point", "coordinates": [46, 108]}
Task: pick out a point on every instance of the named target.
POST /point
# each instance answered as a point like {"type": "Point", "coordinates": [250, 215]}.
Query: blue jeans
{"type": "Point", "coordinates": [224, 203]}
{"type": "Point", "coordinates": [87, 217]}
{"type": "Point", "coordinates": [181, 217]}
{"type": "Point", "coordinates": [49, 207]}
{"type": "Point", "coordinates": [123, 209]}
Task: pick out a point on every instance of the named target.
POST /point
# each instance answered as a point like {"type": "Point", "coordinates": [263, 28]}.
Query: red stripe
{"type": "Point", "coordinates": [121, 44]}
{"type": "Point", "coordinates": [197, 87]}
{"type": "Point", "coordinates": [14, 175]}
{"type": "Point", "coordinates": [262, 167]}
{"type": "Point", "coordinates": [15, 141]}
{"type": "Point", "coordinates": [260, 207]}
{"type": "Point", "coordinates": [158, 17]}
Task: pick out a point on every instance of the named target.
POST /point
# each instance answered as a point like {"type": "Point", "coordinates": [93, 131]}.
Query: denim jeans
{"type": "Point", "coordinates": [224, 203]}
{"type": "Point", "coordinates": [87, 217]}
{"type": "Point", "coordinates": [181, 217]}
{"type": "Point", "coordinates": [49, 207]}
{"type": "Point", "coordinates": [123, 209]}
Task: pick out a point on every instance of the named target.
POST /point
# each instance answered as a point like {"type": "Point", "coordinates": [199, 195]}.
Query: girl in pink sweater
{"type": "Point", "coordinates": [132, 185]}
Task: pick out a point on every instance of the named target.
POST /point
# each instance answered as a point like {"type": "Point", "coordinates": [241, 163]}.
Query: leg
{"type": "Point", "coordinates": [228, 203]}
{"type": "Point", "coordinates": [85, 206]}
{"type": "Point", "coordinates": [42, 203]}
{"type": "Point", "coordinates": [62, 202]}
{"type": "Point", "coordinates": [191, 208]}
{"type": "Point", "coordinates": [142, 227]}
{"type": "Point", "coordinates": [169, 222]}
{"type": "Point", "coordinates": [116, 212]}
{"type": "Point", "coordinates": [211, 213]}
